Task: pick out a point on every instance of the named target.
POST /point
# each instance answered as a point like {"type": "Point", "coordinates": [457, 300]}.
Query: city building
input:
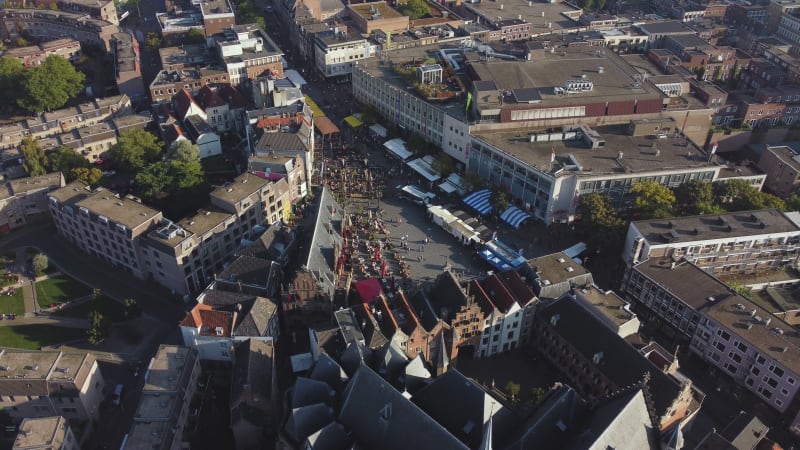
{"type": "Point", "coordinates": [127, 66]}
{"type": "Point", "coordinates": [217, 16]}
{"type": "Point", "coordinates": [372, 16]}
{"type": "Point", "coordinates": [744, 341]}
{"type": "Point", "coordinates": [45, 433]}
{"type": "Point", "coordinates": [723, 244]}
{"type": "Point", "coordinates": [276, 166]}
{"type": "Point", "coordinates": [337, 51]}
{"type": "Point", "coordinates": [781, 164]}
{"type": "Point", "coordinates": [608, 308]}
{"type": "Point", "coordinates": [554, 275]}
{"type": "Point", "coordinates": [61, 121]}
{"type": "Point", "coordinates": [254, 393]}
{"type": "Point", "coordinates": [597, 362]}
{"type": "Point", "coordinates": [185, 255]}
{"type": "Point", "coordinates": [169, 385]}
{"type": "Point", "coordinates": [169, 82]}
{"type": "Point", "coordinates": [55, 383]}
{"type": "Point", "coordinates": [185, 56]}
{"type": "Point", "coordinates": [34, 55]}
{"type": "Point", "coordinates": [93, 142]}
{"type": "Point", "coordinates": [744, 431]}
{"type": "Point", "coordinates": [105, 225]}
{"type": "Point", "coordinates": [99, 9]}
{"type": "Point", "coordinates": [48, 25]}
{"type": "Point", "coordinates": [248, 53]}
{"type": "Point", "coordinates": [25, 200]}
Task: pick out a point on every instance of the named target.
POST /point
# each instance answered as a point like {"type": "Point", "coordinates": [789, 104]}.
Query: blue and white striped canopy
{"type": "Point", "coordinates": [514, 216]}
{"type": "Point", "coordinates": [479, 201]}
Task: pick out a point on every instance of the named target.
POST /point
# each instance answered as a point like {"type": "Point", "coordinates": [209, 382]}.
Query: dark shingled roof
{"type": "Point", "coordinates": [622, 364]}
{"type": "Point", "coordinates": [378, 416]}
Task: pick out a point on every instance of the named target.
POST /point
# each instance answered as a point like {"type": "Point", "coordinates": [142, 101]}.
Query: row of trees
{"type": "Point", "coordinates": [604, 229]}
{"type": "Point", "coordinates": [64, 160]}
{"type": "Point", "coordinates": [41, 88]}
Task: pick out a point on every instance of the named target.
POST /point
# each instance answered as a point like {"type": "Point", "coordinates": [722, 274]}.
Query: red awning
{"type": "Point", "coordinates": [369, 290]}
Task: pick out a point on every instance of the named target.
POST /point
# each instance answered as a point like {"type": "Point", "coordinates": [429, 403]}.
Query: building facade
{"type": "Point", "coordinates": [25, 200]}
{"type": "Point", "coordinates": [49, 25]}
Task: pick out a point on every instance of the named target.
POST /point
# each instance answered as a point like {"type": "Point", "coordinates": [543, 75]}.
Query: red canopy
{"type": "Point", "coordinates": [369, 289]}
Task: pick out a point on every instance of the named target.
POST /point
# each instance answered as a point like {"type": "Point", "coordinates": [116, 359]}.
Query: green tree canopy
{"type": "Point", "coordinates": [100, 329]}
{"type": "Point", "coordinates": [415, 9]}
{"type": "Point", "coordinates": [653, 200]}
{"type": "Point", "coordinates": [195, 36]}
{"type": "Point", "coordinates": [50, 85]}
{"type": "Point", "coordinates": [739, 195]}
{"type": "Point", "coordinates": [183, 150]}
{"type": "Point", "coordinates": [603, 229]}
{"type": "Point", "coordinates": [499, 200]}
{"type": "Point", "coordinates": [65, 160]}
{"type": "Point", "coordinates": [40, 263]}
{"type": "Point", "coordinates": [88, 175]}
{"type": "Point", "coordinates": [152, 40]}
{"type": "Point", "coordinates": [793, 202]}
{"type": "Point", "coordinates": [33, 159]}
{"type": "Point", "coordinates": [695, 197]}
{"type": "Point", "coordinates": [11, 77]}
{"type": "Point", "coordinates": [181, 171]}
{"type": "Point", "coordinates": [135, 149]}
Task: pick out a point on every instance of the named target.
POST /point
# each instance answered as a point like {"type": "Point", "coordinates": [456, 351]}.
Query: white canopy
{"type": "Point", "coordinates": [424, 168]}
{"type": "Point", "coordinates": [378, 129]}
{"type": "Point", "coordinates": [398, 147]}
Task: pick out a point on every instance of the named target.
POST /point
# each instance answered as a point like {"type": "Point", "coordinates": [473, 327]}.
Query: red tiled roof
{"type": "Point", "coordinates": [207, 98]}
{"type": "Point", "coordinates": [386, 312]}
{"type": "Point", "coordinates": [519, 289]}
{"type": "Point", "coordinates": [211, 320]}
{"type": "Point", "coordinates": [412, 322]}
{"type": "Point", "coordinates": [481, 297]}
{"type": "Point", "coordinates": [182, 102]}
{"type": "Point", "coordinates": [275, 121]}
{"type": "Point", "coordinates": [192, 318]}
{"type": "Point", "coordinates": [498, 293]}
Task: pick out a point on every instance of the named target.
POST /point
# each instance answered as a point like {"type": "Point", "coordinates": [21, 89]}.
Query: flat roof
{"type": "Point", "coordinates": [68, 366]}
{"type": "Point", "coordinates": [786, 154]}
{"type": "Point", "coordinates": [210, 7]}
{"type": "Point", "coordinates": [686, 281]}
{"type": "Point", "coordinates": [121, 210]}
{"type": "Point", "coordinates": [616, 82]}
{"type": "Point", "coordinates": [27, 365]}
{"type": "Point", "coordinates": [202, 222]}
{"type": "Point", "coordinates": [166, 368]}
{"type": "Point", "coordinates": [28, 184]}
{"type": "Point", "coordinates": [554, 267]}
{"type": "Point", "coordinates": [735, 313]}
{"type": "Point", "coordinates": [365, 10]}
{"type": "Point", "coordinates": [607, 303]}
{"type": "Point", "coordinates": [715, 226]}
{"type": "Point", "coordinates": [641, 154]}
{"type": "Point", "coordinates": [148, 435]}
{"type": "Point", "coordinates": [665, 27]}
{"type": "Point", "coordinates": [156, 406]}
{"type": "Point", "coordinates": [242, 187]}
{"type": "Point", "coordinates": [188, 54]}
{"type": "Point", "coordinates": [538, 15]}
{"type": "Point", "coordinates": [41, 433]}
{"type": "Point", "coordinates": [777, 299]}
{"type": "Point", "coordinates": [71, 193]}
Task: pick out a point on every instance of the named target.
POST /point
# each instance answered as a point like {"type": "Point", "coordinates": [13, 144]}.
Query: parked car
{"type": "Point", "coordinates": [116, 396]}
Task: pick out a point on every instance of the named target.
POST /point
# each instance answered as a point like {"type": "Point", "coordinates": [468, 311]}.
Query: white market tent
{"type": "Point", "coordinates": [423, 167]}
{"type": "Point", "coordinates": [378, 129]}
{"type": "Point", "coordinates": [398, 148]}
{"type": "Point", "coordinates": [453, 184]}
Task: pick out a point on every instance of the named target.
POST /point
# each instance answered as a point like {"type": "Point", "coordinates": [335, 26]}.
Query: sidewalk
{"type": "Point", "coordinates": [67, 322]}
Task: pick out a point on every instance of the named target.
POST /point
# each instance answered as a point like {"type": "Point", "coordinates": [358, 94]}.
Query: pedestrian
{"type": "Point", "coordinates": [421, 248]}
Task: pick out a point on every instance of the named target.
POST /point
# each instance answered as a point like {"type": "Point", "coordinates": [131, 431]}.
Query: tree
{"type": "Point", "coordinates": [417, 144]}
{"type": "Point", "coordinates": [99, 329]}
{"type": "Point", "coordinates": [793, 202]}
{"type": "Point", "coordinates": [695, 197]}
{"type": "Point", "coordinates": [33, 159]}
{"type": "Point", "coordinates": [183, 150]}
{"type": "Point", "coordinates": [472, 180]}
{"type": "Point", "coordinates": [88, 175]}
{"type": "Point", "coordinates": [537, 394]}
{"type": "Point", "coordinates": [65, 160]}
{"type": "Point", "coordinates": [132, 309]}
{"type": "Point", "coordinates": [443, 164]}
{"type": "Point", "coordinates": [512, 389]}
{"type": "Point", "coordinates": [652, 199]}
{"type": "Point", "coordinates": [50, 85]}
{"type": "Point", "coordinates": [11, 76]}
{"type": "Point", "coordinates": [135, 149]}
{"type": "Point", "coordinates": [153, 40]}
{"type": "Point", "coordinates": [739, 195]}
{"type": "Point", "coordinates": [415, 9]}
{"type": "Point", "coordinates": [39, 264]}
{"type": "Point", "coordinates": [195, 36]}
{"type": "Point", "coordinates": [499, 200]}
{"type": "Point", "coordinates": [602, 227]}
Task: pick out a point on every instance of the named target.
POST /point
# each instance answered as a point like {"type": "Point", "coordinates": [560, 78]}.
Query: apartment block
{"type": "Point", "coordinates": [34, 55]}
{"type": "Point", "coordinates": [94, 141]}
{"type": "Point", "coordinates": [48, 25]}
{"type": "Point", "coordinates": [371, 16]}
{"type": "Point", "coordinates": [45, 433]}
{"type": "Point", "coordinates": [61, 121]}
{"type": "Point", "coordinates": [184, 256]}
{"type": "Point", "coordinates": [336, 52]}
{"type": "Point", "coordinates": [169, 385]}
{"type": "Point", "coordinates": [35, 384]}
{"type": "Point", "coordinates": [105, 225]}
{"type": "Point", "coordinates": [217, 16]}
{"type": "Point", "coordinates": [99, 9]}
{"type": "Point", "coordinates": [725, 244]}
{"type": "Point", "coordinates": [25, 199]}
{"type": "Point", "coordinates": [782, 166]}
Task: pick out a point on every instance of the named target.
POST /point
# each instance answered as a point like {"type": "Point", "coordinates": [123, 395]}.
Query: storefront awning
{"type": "Point", "coordinates": [398, 147]}
{"type": "Point", "coordinates": [325, 126]}
{"type": "Point", "coordinates": [379, 130]}
{"type": "Point", "coordinates": [353, 121]}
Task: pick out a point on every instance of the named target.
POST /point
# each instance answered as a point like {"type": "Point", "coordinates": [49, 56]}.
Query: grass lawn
{"type": "Point", "coordinates": [34, 337]}
{"type": "Point", "coordinates": [14, 304]}
{"type": "Point", "coordinates": [108, 307]}
{"type": "Point", "coordinates": [59, 289]}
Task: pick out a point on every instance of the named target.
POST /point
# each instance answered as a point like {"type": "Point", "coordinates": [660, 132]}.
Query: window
{"type": "Point", "coordinates": [761, 360]}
